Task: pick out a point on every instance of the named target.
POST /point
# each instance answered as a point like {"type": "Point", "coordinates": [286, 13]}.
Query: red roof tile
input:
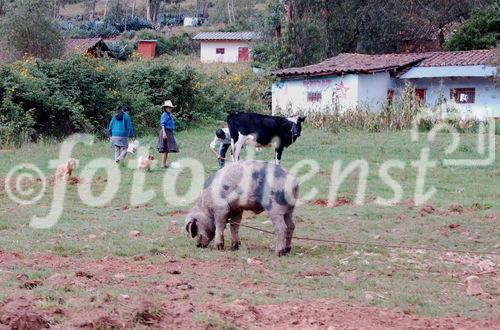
{"type": "Point", "coordinates": [460, 58]}
{"type": "Point", "coordinates": [362, 63]}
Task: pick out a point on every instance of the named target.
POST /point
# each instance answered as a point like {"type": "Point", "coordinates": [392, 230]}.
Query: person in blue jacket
{"type": "Point", "coordinates": [126, 109]}
{"type": "Point", "coordinates": [166, 140]}
{"type": "Point", "coordinates": [120, 129]}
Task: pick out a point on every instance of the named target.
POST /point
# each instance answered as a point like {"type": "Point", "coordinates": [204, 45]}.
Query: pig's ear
{"type": "Point", "coordinates": [192, 228]}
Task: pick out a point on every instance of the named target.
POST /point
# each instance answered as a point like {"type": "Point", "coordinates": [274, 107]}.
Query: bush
{"type": "Point", "coordinates": [89, 29]}
{"type": "Point", "coordinates": [103, 29]}
{"type": "Point", "coordinates": [78, 94]}
{"type": "Point", "coordinates": [16, 125]}
{"type": "Point", "coordinates": [133, 24]}
{"type": "Point", "coordinates": [27, 29]}
{"type": "Point", "coordinates": [176, 44]}
{"type": "Point", "coordinates": [121, 49]}
{"type": "Point", "coordinates": [181, 44]}
{"type": "Point", "coordinates": [170, 20]}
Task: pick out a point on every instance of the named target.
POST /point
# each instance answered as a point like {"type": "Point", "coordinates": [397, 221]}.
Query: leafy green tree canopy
{"type": "Point", "coordinates": [481, 31]}
{"type": "Point", "coordinates": [27, 29]}
{"type": "Point", "coordinates": [301, 32]}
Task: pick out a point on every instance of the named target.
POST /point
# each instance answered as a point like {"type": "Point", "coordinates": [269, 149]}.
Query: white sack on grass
{"type": "Point", "coordinates": [132, 147]}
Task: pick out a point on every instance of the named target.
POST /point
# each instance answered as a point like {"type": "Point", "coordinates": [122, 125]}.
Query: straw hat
{"type": "Point", "coordinates": [168, 103]}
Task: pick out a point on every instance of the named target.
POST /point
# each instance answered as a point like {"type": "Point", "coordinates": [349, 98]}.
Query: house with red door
{"type": "Point", "coordinates": [460, 80]}
{"type": "Point", "coordinates": [226, 47]}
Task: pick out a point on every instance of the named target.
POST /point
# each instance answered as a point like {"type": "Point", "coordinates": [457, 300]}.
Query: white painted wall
{"type": "Point", "coordinates": [208, 48]}
{"type": "Point", "coordinates": [290, 96]}
{"type": "Point", "coordinates": [487, 98]}
{"type": "Point", "coordinates": [372, 89]}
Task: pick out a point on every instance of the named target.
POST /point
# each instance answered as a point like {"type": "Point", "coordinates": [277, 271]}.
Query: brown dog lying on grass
{"type": "Point", "coordinates": [144, 163]}
{"type": "Point", "coordinates": [66, 168]}
{"type": "Point", "coordinates": [249, 185]}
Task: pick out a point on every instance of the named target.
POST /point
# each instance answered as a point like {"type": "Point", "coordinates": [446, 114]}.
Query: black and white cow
{"type": "Point", "coordinates": [262, 130]}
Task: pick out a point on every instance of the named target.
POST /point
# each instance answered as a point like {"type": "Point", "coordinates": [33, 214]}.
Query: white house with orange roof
{"type": "Point", "coordinates": [464, 80]}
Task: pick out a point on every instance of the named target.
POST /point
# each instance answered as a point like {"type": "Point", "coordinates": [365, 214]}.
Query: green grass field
{"type": "Point", "coordinates": [428, 283]}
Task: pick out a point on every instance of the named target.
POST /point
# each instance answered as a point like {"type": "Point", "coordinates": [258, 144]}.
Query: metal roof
{"type": "Point", "coordinates": [244, 35]}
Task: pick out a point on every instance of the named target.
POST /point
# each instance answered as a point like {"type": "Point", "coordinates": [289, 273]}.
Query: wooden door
{"type": "Point", "coordinates": [243, 54]}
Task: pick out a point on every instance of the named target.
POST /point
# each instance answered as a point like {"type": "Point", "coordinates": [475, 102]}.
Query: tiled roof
{"type": "Point", "coordinates": [460, 58]}
{"type": "Point", "coordinates": [361, 63]}
{"type": "Point", "coordinates": [80, 45]}
{"type": "Point", "coordinates": [227, 36]}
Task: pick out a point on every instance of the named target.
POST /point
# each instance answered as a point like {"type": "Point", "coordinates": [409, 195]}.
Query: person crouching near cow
{"type": "Point", "coordinates": [166, 141]}
{"type": "Point", "coordinates": [223, 138]}
{"type": "Point", "coordinates": [120, 129]}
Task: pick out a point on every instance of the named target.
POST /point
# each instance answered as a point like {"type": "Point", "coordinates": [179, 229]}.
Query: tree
{"type": "Point", "coordinates": [115, 11]}
{"type": "Point", "coordinates": [90, 8]}
{"type": "Point", "coordinates": [202, 8]}
{"type": "Point", "coordinates": [237, 14]}
{"type": "Point", "coordinates": [29, 29]}
{"type": "Point", "coordinates": [134, 5]}
{"type": "Point", "coordinates": [153, 9]}
{"type": "Point", "coordinates": [481, 31]}
{"type": "Point", "coordinates": [61, 3]}
{"type": "Point", "coordinates": [301, 32]}
{"type": "Point", "coordinates": [106, 4]}
{"type": "Point", "coordinates": [2, 6]}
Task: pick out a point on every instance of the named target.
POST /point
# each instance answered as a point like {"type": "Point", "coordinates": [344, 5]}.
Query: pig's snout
{"type": "Point", "coordinates": [202, 242]}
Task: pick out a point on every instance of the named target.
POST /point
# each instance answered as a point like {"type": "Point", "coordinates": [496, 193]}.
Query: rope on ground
{"type": "Point", "coordinates": [392, 246]}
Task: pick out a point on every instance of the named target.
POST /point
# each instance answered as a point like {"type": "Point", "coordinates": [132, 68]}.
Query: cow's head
{"type": "Point", "coordinates": [200, 227]}
{"type": "Point", "coordinates": [296, 126]}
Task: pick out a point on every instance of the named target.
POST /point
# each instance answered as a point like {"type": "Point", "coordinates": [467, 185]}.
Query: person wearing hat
{"type": "Point", "coordinates": [223, 138]}
{"type": "Point", "coordinates": [166, 141]}
{"type": "Point", "coordinates": [120, 129]}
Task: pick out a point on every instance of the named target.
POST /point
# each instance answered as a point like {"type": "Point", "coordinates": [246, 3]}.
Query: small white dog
{"type": "Point", "coordinates": [66, 168]}
{"type": "Point", "coordinates": [145, 163]}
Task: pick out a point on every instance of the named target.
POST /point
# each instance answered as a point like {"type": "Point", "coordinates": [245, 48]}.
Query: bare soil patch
{"type": "Point", "coordinates": [326, 313]}
{"type": "Point", "coordinates": [341, 201]}
{"type": "Point", "coordinates": [19, 313]}
{"type": "Point", "coordinates": [181, 298]}
{"type": "Point", "coordinates": [454, 209]}
{"type": "Point", "coordinates": [176, 213]}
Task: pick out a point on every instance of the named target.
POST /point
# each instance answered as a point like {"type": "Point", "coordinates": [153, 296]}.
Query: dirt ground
{"type": "Point", "coordinates": [180, 303]}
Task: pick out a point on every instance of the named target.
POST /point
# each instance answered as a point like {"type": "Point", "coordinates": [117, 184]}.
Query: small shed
{"type": "Point", "coordinates": [96, 47]}
{"type": "Point", "coordinates": [226, 47]}
{"type": "Point", "coordinates": [147, 48]}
